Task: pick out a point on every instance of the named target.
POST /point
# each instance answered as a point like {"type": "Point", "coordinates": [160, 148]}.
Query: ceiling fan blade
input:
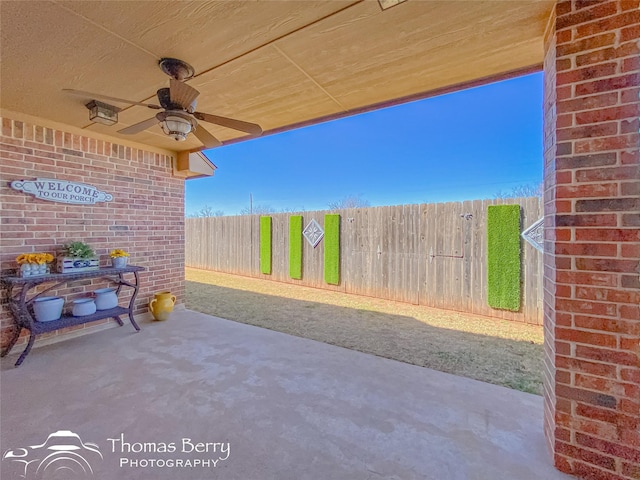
{"type": "Point", "coordinates": [206, 138]}
{"type": "Point", "coordinates": [140, 126]}
{"type": "Point", "coordinates": [97, 96]}
{"type": "Point", "coordinates": [247, 127]}
{"type": "Point", "coordinates": [182, 94]}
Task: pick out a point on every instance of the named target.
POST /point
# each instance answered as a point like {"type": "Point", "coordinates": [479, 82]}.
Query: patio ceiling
{"type": "Point", "coordinates": [275, 63]}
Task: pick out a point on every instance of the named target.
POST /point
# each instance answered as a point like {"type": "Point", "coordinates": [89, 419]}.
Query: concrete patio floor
{"type": "Point", "coordinates": [264, 405]}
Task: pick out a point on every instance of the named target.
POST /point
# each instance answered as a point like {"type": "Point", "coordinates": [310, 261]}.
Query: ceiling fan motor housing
{"type": "Point", "coordinates": [176, 68]}
{"type": "Point", "coordinates": [164, 98]}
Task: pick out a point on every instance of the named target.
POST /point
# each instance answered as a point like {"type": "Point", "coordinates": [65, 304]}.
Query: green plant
{"type": "Point", "coordinates": [332, 249]}
{"type": "Point", "coordinates": [503, 257]}
{"type": "Point", "coordinates": [295, 246]}
{"type": "Point", "coordinates": [78, 250]}
{"type": "Point", "coordinates": [265, 245]}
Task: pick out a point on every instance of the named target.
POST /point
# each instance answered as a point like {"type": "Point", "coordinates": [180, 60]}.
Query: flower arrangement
{"type": "Point", "coordinates": [78, 250]}
{"type": "Point", "coordinates": [32, 264]}
{"type": "Point", "coordinates": [34, 258]}
{"type": "Point", "coordinates": [119, 258]}
{"type": "Point", "coordinates": [77, 257]}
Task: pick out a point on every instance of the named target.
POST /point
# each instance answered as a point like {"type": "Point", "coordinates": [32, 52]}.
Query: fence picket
{"type": "Point", "coordinates": [427, 254]}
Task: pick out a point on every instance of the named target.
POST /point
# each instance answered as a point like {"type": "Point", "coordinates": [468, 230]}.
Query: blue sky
{"type": "Point", "coordinates": [460, 146]}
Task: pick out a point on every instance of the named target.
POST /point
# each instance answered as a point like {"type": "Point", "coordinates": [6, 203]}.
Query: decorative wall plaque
{"type": "Point", "coordinates": [313, 232]}
{"type": "Point", "coordinates": [62, 191]}
{"type": "Point", "coordinates": [535, 235]}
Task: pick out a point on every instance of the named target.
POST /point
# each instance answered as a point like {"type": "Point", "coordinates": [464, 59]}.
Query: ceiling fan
{"type": "Point", "coordinates": [178, 117]}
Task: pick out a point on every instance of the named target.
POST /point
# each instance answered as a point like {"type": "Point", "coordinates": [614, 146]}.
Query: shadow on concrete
{"type": "Point", "coordinates": [507, 362]}
{"type": "Point", "coordinates": [286, 408]}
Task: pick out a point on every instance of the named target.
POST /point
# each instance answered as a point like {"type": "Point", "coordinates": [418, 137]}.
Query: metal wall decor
{"type": "Point", "coordinates": [535, 235]}
{"type": "Point", "coordinates": [62, 191]}
{"type": "Point", "coordinates": [313, 232]}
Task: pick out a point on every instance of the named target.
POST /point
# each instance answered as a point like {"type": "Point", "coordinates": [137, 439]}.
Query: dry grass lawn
{"type": "Point", "coordinates": [490, 350]}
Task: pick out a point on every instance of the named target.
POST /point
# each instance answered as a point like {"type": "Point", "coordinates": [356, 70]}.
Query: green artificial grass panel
{"type": "Point", "coordinates": [332, 249]}
{"type": "Point", "coordinates": [503, 252]}
{"type": "Point", "coordinates": [295, 246]}
{"type": "Point", "coordinates": [265, 245]}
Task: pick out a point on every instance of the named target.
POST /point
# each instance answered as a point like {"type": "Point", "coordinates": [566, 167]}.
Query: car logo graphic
{"type": "Point", "coordinates": [62, 453]}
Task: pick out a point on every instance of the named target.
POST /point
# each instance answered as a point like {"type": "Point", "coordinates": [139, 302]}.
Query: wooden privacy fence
{"type": "Point", "coordinates": [428, 254]}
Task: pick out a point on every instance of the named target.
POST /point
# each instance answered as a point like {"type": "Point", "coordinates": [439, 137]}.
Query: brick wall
{"type": "Point", "coordinates": [549, 150]}
{"type": "Point", "coordinates": [146, 216]}
{"type": "Point", "coordinates": [592, 248]}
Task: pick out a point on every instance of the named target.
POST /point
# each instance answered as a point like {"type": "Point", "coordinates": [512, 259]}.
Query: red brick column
{"type": "Point", "coordinates": [592, 238]}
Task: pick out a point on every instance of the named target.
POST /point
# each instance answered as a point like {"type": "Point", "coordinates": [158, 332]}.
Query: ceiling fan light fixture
{"type": "Point", "coordinates": [176, 127]}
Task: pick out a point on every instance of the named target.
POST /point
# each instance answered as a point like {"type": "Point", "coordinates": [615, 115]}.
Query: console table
{"type": "Point", "coordinates": [21, 304]}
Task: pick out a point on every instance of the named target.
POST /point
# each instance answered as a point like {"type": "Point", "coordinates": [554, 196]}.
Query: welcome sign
{"type": "Point", "coordinates": [61, 191]}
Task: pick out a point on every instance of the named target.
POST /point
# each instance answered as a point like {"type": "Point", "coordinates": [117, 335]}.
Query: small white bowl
{"type": "Point", "coordinates": [83, 307]}
{"type": "Point", "coordinates": [106, 298]}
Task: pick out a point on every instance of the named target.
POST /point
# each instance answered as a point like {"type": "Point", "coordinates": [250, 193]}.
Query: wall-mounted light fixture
{"type": "Point", "coordinates": [102, 113]}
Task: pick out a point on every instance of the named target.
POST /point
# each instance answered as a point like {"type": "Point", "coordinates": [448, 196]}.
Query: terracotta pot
{"type": "Point", "coordinates": [162, 305]}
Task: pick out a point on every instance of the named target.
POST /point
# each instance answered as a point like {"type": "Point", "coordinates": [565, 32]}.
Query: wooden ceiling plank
{"type": "Point", "coordinates": [103, 28]}
{"type": "Point", "coordinates": [72, 55]}
{"type": "Point", "coordinates": [206, 34]}
{"type": "Point", "coordinates": [306, 74]}
{"type": "Point", "coordinates": [271, 91]}
{"type": "Point", "coordinates": [327, 57]}
{"type": "Point", "coordinates": [366, 52]}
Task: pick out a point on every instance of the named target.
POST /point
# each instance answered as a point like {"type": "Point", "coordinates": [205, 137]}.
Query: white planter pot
{"type": "Point", "coordinates": [119, 262]}
{"type": "Point", "coordinates": [48, 309]}
{"type": "Point", "coordinates": [33, 269]}
{"type": "Point", "coordinates": [83, 307]}
{"type": "Point", "coordinates": [106, 298]}
{"type": "Point", "coordinates": [75, 265]}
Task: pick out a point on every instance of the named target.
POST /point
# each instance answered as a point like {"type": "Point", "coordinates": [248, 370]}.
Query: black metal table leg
{"type": "Point", "coordinates": [23, 355]}
{"type": "Point", "coordinates": [132, 301]}
{"type": "Point", "coordinates": [133, 322]}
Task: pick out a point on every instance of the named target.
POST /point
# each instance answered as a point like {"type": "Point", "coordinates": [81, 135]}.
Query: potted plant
{"type": "Point", "coordinates": [77, 257]}
{"type": "Point", "coordinates": [119, 258]}
{"type": "Point", "coordinates": [32, 264]}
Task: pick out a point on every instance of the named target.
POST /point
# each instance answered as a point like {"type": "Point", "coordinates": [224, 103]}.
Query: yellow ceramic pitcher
{"type": "Point", "coordinates": [162, 305]}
